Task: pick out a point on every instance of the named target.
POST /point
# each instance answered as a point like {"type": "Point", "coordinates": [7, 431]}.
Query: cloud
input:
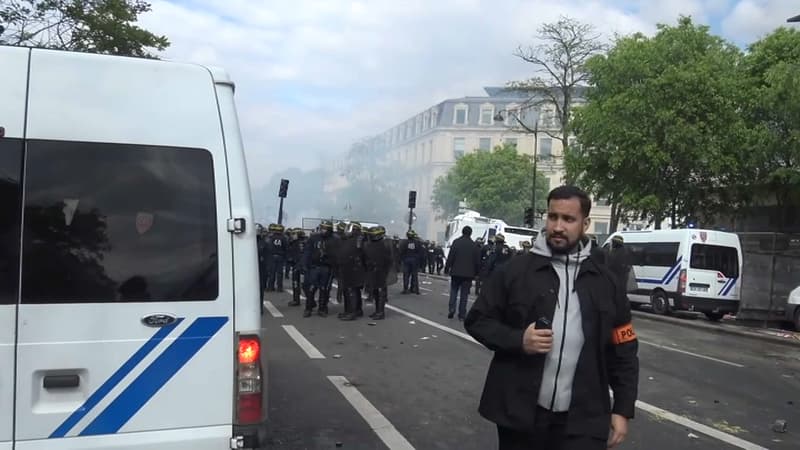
{"type": "Point", "coordinates": [749, 20]}
{"type": "Point", "coordinates": [315, 75]}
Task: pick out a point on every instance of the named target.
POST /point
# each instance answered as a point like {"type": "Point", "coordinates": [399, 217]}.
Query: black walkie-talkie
{"type": "Point", "coordinates": [543, 323]}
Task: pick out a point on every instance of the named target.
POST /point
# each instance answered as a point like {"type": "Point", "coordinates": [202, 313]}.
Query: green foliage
{"type": "Point", "coordinates": [95, 26]}
{"type": "Point", "coordinates": [662, 133]}
{"type": "Point", "coordinates": [497, 184]}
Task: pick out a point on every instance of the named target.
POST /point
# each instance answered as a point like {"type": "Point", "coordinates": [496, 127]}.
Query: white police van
{"type": "Point", "coordinates": [129, 304]}
{"type": "Point", "coordinates": [685, 269]}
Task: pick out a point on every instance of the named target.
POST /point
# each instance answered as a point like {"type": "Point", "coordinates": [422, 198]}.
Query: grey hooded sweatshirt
{"type": "Point", "coordinates": [555, 392]}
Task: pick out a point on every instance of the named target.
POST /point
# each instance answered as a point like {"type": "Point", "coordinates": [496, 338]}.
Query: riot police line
{"type": "Point", "coordinates": [359, 261]}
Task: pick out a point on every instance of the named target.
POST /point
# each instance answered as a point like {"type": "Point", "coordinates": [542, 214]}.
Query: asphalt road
{"type": "Point", "coordinates": [404, 383]}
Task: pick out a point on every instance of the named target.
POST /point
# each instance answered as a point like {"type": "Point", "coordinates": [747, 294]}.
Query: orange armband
{"type": "Point", "coordinates": [623, 334]}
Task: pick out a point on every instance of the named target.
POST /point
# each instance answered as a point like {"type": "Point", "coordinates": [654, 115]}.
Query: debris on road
{"type": "Point", "coordinates": [434, 336]}
{"type": "Point", "coordinates": [372, 324]}
{"type": "Point", "coordinates": [424, 338]}
{"type": "Point", "coordinates": [779, 426]}
{"type": "Point", "coordinates": [415, 346]}
{"type": "Point", "coordinates": [412, 322]}
{"type": "Point", "coordinates": [337, 356]}
{"type": "Point", "coordinates": [693, 436]}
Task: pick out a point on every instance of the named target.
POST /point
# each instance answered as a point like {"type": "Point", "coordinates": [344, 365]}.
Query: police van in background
{"type": "Point", "coordinates": [685, 269]}
{"type": "Point", "coordinates": [129, 300]}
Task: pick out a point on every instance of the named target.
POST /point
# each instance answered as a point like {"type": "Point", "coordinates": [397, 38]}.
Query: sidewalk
{"type": "Point", "coordinates": [727, 326]}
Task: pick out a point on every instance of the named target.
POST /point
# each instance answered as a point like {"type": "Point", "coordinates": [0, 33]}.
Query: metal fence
{"type": "Point", "coordinates": [771, 270]}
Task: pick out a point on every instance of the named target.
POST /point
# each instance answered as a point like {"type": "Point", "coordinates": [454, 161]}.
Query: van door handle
{"type": "Point", "coordinates": [61, 381]}
{"type": "Point", "coordinates": [722, 281]}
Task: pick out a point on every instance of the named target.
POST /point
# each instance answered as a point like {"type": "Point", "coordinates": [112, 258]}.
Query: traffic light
{"type": "Point", "coordinates": [529, 217]}
{"type": "Point", "coordinates": [284, 188]}
{"type": "Point", "coordinates": [412, 199]}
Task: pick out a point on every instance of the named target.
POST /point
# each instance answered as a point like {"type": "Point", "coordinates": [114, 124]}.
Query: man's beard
{"type": "Point", "coordinates": [562, 250]}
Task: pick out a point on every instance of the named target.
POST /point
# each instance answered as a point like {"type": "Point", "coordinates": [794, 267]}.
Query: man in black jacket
{"type": "Point", "coordinates": [462, 265]}
{"type": "Point", "coordinates": [560, 326]}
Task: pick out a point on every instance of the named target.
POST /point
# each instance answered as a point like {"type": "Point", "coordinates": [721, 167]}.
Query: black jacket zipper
{"type": "Point", "coordinates": [563, 336]}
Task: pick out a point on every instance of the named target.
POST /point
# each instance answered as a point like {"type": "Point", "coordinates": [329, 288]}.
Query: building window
{"type": "Point", "coordinates": [426, 121]}
{"type": "Point", "coordinates": [485, 144]}
{"type": "Point", "coordinates": [601, 228]}
{"type": "Point", "coordinates": [419, 124]}
{"type": "Point", "coordinates": [545, 148]}
{"type": "Point", "coordinates": [434, 118]}
{"type": "Point", "coordinates": [460, 117]}
{"type": "Point", "coordinates": [458, 147]}
{"type": "Point", "coordinates": [487, 115]}
{"type": "Point", "coordinates": [511, 142]}
{"type": "Point", "coordinates": [601, 201]}
{"type": "Point", "coordinates": [511, 112]}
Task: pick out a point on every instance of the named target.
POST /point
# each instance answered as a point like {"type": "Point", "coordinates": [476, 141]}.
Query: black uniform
{"type": "Point", "coordinates": [318, 262]}
{"type": "Point", "coordinates": [277, 247]}
{"type": "Point", "coordinates": [261, 245]}
{"type": "Point", "coordinates": [296, 249]}
{"type": "Point", "coordinates": [431, 257]}
{"type": "Point", "coordinates": [411, 253]}
{"type": "Point", "coordinates": [380, 265]}
{"type": "Point", "coordinates": [352, 270]}
{"type": "Point", "coordinates": [438, 253]}
{"type": "Point", "coordinates": [485, 254]}
{"type": "Point", "coordinates": [335, 267]}
{"type": "Point", "coordinates": [501, 254]}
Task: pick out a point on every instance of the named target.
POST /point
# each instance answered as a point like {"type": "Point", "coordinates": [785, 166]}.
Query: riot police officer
{"type": "Point", "coordinates": [483, 250]}
{"type": "Point", "coordinates": [277, 246]}
{"type": "Point", "coordinates": [341, 230]}
{"type": "Point", "coordinates": [296, 249]}
{"type": "Point", "coordinates": [318, 261]}
{"type": "Point", "coordinates": [438, 253]}
{"type": "Point", "coordinates": [411, 253]}
{"type": "Point", "coordinates": [380, 265]}
{"type": "Point", "coordinates": [500, 254]}
{"type": "Point", "coordinates": [352, 268]}
{"type": "Point", "coordinates": [430, 249]}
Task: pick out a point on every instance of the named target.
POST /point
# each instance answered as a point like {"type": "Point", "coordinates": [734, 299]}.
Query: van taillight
{"type": "Point", "coordinates": [682, 281]}
{"type": "Point", "coordinates": [249, 405]}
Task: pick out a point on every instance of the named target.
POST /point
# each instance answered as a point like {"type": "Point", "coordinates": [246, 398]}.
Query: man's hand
{"type": "Point", "coordinates": [619, 430]}
{"type": "Point", "coordinates": [537, 341]}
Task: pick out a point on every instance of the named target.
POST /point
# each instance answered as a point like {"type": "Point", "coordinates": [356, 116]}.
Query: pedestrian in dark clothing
{"type": "Point", "coordinates": [439, 255]}
{"type": "Point", "coordinates": [560, 327]}
{"type": "Point", "coordinates": [277, 247]}
{"type": "Point", "coordinates": [318, 261]}
{"type": "Point", "coordinates": [380, 265]}
{"type": "Point", "coordinates": [411, 255]}
{"type": "Point", "coordinates": [462, 266]}
{"type": "Point", "coordinates": [352, 264]}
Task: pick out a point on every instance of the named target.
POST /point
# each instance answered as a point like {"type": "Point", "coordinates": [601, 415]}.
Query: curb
{"type": "Point", "coordinates": [722, 329]}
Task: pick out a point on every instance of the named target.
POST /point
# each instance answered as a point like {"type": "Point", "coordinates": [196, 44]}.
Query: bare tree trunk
{"type": "Point", "coordinates": [616, 215]}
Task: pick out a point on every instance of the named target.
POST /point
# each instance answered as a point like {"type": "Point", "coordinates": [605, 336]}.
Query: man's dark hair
{"type": "Point", "coordinates": [466, 231]}
{"type": "Point", "coordinates": [567, 192]}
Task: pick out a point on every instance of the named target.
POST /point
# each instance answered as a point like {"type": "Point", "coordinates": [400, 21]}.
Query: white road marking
{"type": "Point", "coordinates": [272, 309]}
{"type": "Point", "coordinates": [376, 421]}
{"type": "Point", "coordinates": [699, 427]}
{"type": "Point", "coordinates": [307, 347]}
{"type": "Point", "coordinates": [696, 355]}
{"type": "Point", "coordinates": [445, 294]}
{"type": "Point", "coordinates": [433, 324]}
{"type": "Point", "coordinates": [426, 289]}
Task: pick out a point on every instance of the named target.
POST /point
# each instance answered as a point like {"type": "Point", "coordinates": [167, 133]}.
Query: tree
{"type": "Point", "coordinates": [773, 73]}
{"type": "Point", "coordinates": [662, 132]}
{"type": "Point", "coordinates": [560, 60]}
{"type": "Point", "coordinates": [94, 26]}
{"type": "Point", "coordinates": [497, 184]}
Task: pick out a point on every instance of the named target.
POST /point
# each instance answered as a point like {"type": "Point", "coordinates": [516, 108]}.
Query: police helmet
{"type": "Point", "coordinates": [411, 234]}
{"type": "Point", "coordinates": [326, 225]}
{"type": "Point", "coordinates": [276, 228]}
{"type": "Point", "coordinates": [377, 233]}
{"type": "Point", "coordinates": [300, 232]}
{"type": "Point", "coordinates": [355, 226]}
{"type": "Point", "coordinates": [499, 238]}
{"type": "Point", "coordinates": [526, 244]}
{"type": "Point", "coordinates": [341, 226]}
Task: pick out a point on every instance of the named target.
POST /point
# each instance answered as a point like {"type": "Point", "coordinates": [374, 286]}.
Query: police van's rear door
{"type": "Point", "coordinates": [713, 269]}
{"type": "Point", "coordinates": [13, 80]}
{"type": "Point", "coordinates": [125, 321]}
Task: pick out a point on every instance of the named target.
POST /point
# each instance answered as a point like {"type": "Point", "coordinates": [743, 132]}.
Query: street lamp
{"type": "Point", "coordinates": [535, 131]}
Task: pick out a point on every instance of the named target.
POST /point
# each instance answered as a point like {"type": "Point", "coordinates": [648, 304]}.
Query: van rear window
{"type": "Point", "coordinates": [118, 223]}
{"type": "Point", "coordinates": [11, 207]}
{"type": "Point", "coordinates": [715, 257]}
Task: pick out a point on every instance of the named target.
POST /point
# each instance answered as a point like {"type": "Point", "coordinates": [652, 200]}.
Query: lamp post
{"type": "Point", "coordinates": [535, 131]}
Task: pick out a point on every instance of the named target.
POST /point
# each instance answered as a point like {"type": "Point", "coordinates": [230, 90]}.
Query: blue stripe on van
{"type": "Point", "coordinates": [730, 286]}
{"type": "Point", "coordinates": [114, 380]}
{"type": "Point", "coordinates": [155, 376]}
{"type": "Point", "coordinates": [725, 286]}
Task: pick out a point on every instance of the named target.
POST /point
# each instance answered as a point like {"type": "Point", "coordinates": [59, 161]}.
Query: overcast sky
{"type": "Point", "coordinates": [313, 76]}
